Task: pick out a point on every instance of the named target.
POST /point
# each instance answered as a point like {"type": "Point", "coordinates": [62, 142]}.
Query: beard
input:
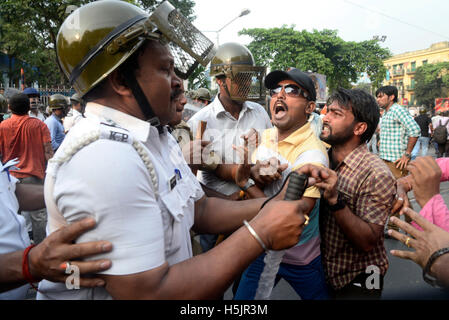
{"type": "Point", "coordinates": [340, 138]}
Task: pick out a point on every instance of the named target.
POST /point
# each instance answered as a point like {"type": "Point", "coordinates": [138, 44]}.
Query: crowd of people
{"type": "Point", "coordinates": [121, 187]}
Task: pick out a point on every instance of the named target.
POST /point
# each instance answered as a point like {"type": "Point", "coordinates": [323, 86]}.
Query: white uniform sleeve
{"type": "Point", "coordinates": [267, 120]}
{"type": "Point", "coordinates": [108, 180]}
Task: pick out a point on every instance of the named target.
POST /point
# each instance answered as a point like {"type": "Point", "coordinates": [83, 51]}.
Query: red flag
{"type": "Point", "coordinates": [22, 78]}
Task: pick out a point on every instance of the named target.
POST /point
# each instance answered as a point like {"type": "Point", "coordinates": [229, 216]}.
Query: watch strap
{"type": "Point", "coordinates": [341, 203]}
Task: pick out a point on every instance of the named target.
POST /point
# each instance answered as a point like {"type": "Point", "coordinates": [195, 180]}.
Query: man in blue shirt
{"type": "Point", "coordinates": [58, 105]}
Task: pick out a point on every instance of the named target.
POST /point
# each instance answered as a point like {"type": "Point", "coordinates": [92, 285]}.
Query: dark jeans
{"type": "Point", "coordinates": [443, 150]}
{"type": "Point", "coordinates": [308, 281]}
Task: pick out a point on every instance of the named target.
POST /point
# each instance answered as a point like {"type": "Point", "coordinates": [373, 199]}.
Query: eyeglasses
{"type": "Point", "coordinates": [290, 90]}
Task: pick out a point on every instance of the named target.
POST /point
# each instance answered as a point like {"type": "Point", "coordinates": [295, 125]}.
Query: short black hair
{"type": "Point", "coordinates": [389, 91]}
{"type": "Point", "coordinates": [19, 104]}
{"type": "Point", "coordinates": [363, 106]}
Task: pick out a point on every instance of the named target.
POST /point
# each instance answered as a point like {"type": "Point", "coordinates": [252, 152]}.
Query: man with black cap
{"type": "Point", "coordinates": [294, 144]}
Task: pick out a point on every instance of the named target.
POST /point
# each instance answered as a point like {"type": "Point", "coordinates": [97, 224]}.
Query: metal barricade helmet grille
{"type": "Point", "coordinates": [235, 61]}
{"type": "Point", "coordinates": [100, 36]}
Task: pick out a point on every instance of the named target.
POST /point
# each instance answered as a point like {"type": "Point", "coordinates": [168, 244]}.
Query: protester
{"type": "Point", "coordinates": [138, 187]}
{"type": "Point", "coordinates": [398, 133]}
{"type": "Point", "coordinates": [44, 260]}
{"type": "Point", "coordinates": [435, 122]}
{"type": "Point", "coordinates": [431, 248]}
{"type": "Point", "coordinates": [8, 94]}
{"type": "Point", "coordinates": [228, 117]}
{"type": "Point", "coordinates": [425, 124]}
{"type": "Point", "coordinates": [58, 106]}
{"type": "Point", "coordinates": [440, 126]}
{"type": "Point", "coordinates": [424, 179]}
{"type": "Point", "coordinates": [27, 139]}
{"type": "Point", "coordinates": [293, 143]}
{"type": "Point", "coordinates": [358, 194]}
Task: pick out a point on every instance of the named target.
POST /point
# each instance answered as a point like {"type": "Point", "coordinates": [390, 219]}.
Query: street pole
{"type": "Point", "coordinates": [244, 12]}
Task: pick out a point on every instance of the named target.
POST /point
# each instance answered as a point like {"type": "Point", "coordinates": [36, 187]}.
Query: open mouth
{"type": "Point", "coordinates": [326, 130]}
{"type": "Point", "coordinates": [280, 109]}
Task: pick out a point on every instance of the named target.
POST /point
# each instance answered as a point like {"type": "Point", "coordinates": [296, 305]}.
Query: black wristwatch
{"type": "Point", "coordinates": [341, 203]}
{"type": "Point", "coordinates": [408, 155]}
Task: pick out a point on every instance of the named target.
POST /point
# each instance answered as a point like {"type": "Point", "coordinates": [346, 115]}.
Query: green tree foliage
{"type": "Point", "coordinates": [432, 81]}
{"type": "Point", "coordinates": [363, 86]}
{"type": "Point", "coordinates": [319, 51]}
{"type": "Point", "coordinates": [198, 79]}
{"type": "Point", "coordinates": [28, 31]}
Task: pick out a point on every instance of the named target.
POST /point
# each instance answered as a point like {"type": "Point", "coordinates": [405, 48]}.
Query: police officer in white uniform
{"type": "Point", "coordinates": [122, 167]}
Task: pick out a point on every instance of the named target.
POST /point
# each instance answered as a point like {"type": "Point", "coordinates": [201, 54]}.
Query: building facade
{"type": "Point", "coordinates": [401, 69]}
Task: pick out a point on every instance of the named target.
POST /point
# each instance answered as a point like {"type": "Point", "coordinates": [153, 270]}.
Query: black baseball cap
{"type": "Point", "coordinates": [296, 75]}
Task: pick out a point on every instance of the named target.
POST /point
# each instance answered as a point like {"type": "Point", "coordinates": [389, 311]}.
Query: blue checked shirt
{"type": "Point", "coordinates": [396, 128]}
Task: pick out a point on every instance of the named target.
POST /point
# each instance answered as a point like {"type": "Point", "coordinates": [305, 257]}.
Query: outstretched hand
{"type": "Point", "coordinates": [425, 242]}
{"type": "Point", "coordinates": [323, 178]}
{"type": "Point", "coordinates": [402, 163]}
{"type": "Point", "coordinates": [280, 223]}
{"type": "Point", "coordinates": [401, 201]}
{"type": "Point", "coordinates": [48, 258]}
{"type": "Point", "coordinates": [243, 171]}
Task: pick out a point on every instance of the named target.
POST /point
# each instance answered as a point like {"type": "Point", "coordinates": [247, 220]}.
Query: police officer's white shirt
{"type": "Point", "coordinates": [13, 233]}
{"type": "Point", "coordinates": [70, 121]}
{"type": "Point", "coordinates": [109, 181]}
{"type": "Point", "coordinates": [39, 115]}
{"type": "Point", "coordinates": [224, 131]}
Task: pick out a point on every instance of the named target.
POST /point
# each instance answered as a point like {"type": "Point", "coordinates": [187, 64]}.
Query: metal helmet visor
{"type": "Point", "coordinates": [188, 45]}
{"type": "Point", "coordinates": [246, 82]}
